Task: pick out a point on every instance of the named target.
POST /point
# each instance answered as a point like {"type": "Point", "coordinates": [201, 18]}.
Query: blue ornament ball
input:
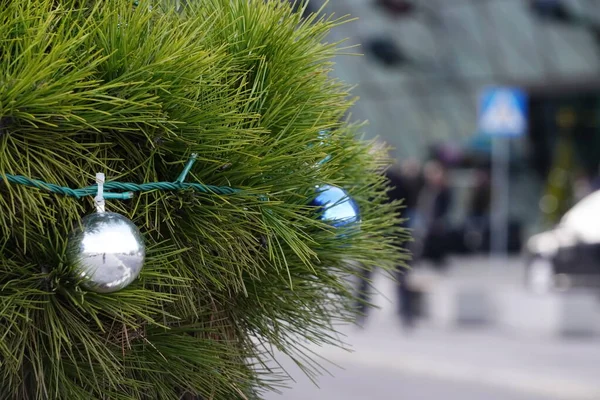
{"type": "Point", "coordinates": [336, 206]}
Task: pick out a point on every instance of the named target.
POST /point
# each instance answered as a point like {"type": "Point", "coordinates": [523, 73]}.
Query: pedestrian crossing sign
{"type": "Point", "coordinates": [503, 112]}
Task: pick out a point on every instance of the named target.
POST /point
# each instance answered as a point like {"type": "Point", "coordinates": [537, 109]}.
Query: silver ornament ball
{"type": "Point", "coordinates": [107, 252]}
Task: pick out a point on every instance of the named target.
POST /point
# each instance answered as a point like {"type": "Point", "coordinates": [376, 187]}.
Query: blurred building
{"type": "Point", "coordinates": [425, 62]}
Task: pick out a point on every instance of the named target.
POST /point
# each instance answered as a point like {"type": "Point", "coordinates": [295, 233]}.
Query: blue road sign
{"type": "Point", "coordinates": [503, 112]}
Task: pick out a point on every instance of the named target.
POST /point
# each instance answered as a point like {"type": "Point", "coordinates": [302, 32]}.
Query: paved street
{"type": "Point", "coordinates": [358, 382]}
{"type": "Point", "coordinates": [451, 364]}
{"type": "Point", "coordinates": [433, 365]}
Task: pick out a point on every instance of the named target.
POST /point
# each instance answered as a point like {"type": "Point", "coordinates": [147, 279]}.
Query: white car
{"type": "Point", "coordinates": [568, 255]}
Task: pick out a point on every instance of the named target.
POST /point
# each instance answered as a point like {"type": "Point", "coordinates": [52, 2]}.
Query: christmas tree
{"type": "Point", "coordinates": [238, 260]}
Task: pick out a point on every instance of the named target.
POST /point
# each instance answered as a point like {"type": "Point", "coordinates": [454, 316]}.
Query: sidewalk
{"type": "Point", "coordinates": [434, 363]}
{"type": "Point", "coordinates": [430, 364]}
{"type": "Point", "coordinates": [551, 369]}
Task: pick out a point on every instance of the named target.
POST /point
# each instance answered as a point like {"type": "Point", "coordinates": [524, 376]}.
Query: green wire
{"type": "Point", "coordinates": [126, 189]}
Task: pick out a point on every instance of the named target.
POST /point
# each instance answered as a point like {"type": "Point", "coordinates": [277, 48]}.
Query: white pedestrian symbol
{"type": "Point", "coordinates": [503, 115]}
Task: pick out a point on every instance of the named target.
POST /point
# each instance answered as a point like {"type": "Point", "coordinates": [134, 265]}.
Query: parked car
{"type": "Point", "coordinates": [568, 255]}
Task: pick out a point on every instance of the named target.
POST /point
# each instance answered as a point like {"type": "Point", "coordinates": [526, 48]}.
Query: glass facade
{"type": "Point", "coordinates": [441, 53]}
{"type": "Point", "coordinates": [453, 48]}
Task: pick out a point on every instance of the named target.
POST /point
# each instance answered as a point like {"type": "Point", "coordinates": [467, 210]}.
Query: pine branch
{"type": "Point", "coordinates": [88, 86]}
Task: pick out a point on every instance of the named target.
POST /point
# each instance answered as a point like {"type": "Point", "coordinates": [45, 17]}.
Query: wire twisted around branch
{"type": "Point", "coordinates": [125, 189]}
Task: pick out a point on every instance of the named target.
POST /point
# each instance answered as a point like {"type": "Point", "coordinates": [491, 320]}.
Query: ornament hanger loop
{"type": "Point", "coordinates": [187, 168]}
{"type": "Point", "coordinates": [99, 199]}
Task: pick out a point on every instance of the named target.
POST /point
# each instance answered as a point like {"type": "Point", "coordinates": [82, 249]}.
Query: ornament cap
{"type": "Point", "coordinates": [99, 199]}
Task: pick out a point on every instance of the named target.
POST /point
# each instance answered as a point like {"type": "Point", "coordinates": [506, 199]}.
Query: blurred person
{"type": "Point", "coordinates": [481, 200]}
{"type": "Point", "coordinates": [478, 217]}
{"type": "Point", "coordinates": [433, 205]}
{"type": "Point", "coordinates": [405, 183]}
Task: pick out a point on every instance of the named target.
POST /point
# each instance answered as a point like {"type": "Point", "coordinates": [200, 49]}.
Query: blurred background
{"type": "Point", "coordinates": [493, 109]}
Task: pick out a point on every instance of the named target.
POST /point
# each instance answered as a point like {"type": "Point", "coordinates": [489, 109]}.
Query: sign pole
{"type": "Point", "coordinates": [502, 115]}
{"type": "Point", "coordinates": [500, 198]}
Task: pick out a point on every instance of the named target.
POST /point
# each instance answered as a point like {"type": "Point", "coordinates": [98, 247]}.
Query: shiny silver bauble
{"type": "Point", "coordinates": [107, 252]}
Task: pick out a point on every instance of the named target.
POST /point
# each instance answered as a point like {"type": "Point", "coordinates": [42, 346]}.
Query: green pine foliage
{"type": "Point", "coordinates": [132, 91]}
